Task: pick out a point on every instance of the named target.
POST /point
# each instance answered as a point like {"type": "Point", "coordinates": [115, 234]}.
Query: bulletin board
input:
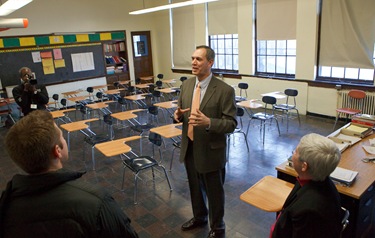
{"type": "Point", "coordinates": [53, 64]}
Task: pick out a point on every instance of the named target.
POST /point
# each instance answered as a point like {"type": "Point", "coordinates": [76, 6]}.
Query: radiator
{"type": "Point", "coordinates": [368, 104]}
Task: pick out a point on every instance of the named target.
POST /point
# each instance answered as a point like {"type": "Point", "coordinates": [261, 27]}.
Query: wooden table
{"type": "Point", "coordinates": [100, 87]}
{"type": "Point", "coordinates": [73, 93]}
{"type": "Point", "coordinates": [359, 198]}
{"type": "Point", "coordinates": [168, 105]}
{"type": "Point", "coordinates": [169, 82]}
{"type": "Point", "coordinates": [149, 79]}
{"type": "Point", "coordinates": [250, 104]}
{"type": "Point", "coordinates": [127, 116]}
{"type": "Point", "coordinates": [60, 114]}
{"type": "Point", "coordinates": [168, 131]}
{"type": "Point", "coordinates": [113, 91]}
{"type": "Point", "coordinates": [76, 126]}
{"type": "Point", "coordinates": [136, 98]}
{"type": "Point", "coordinates": [7, 100]}
{"type": "Point", "coordinates": [277, 95]}
{"type": "Point", "coordinates": [78, 99]}
{"type": "Point", "coordinates": [268, 194]}
{"type": "Point", "coordinates": [101, 106]}
{"type": "Point", "coordinates": [166, 90]}
{"type": "Point", "coordinates": [116, 147]}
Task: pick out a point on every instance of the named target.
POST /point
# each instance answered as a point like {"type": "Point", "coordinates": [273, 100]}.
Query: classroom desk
{"type": "Point", "coordinates": [101, 106]}
{"type": "Point", "coordinates": [60, 114]}
{"type": "Point", "coordinates": [168, 131]}
{"type": "Point", "coordinates": [359, 198]}
{"type": "Point", "coordinates": [123, 83]}
{"type": "Point", "coordinates": [167, 91]}
{"type": "Point", "coordinates": [149, 79]}
{"type": "Point", "coordinates": [127, 116]}
{"type": "Point", "coordinates": [7, 100]}
{"type": "Point", "coordinates": [169, 82]}
{"type": "Point", "coordinates": [78, 99]}
{"type": "Point", "coordinates": [113, 91]}
{"type": "Point", "coordinates": [76, 126]}
{"type": "Point", "coordinates": [168, 106]}
{"type": "Point", "coordinates": [268, 194]}
{"type": "Point", "coordinates": [116, 147]}
{"type": "Point", "coordinates": [143, 87]}
{"type": "Point", "coordinates": [277, 95]}
{"type": "Point", "coordinates": [250, 104]}
{"type": "Point", "coordinates": [100, 87]}
{"type": "Point", "coordinates": [138, 99]}
{"type": "Point", "coordinates": [73, 93]}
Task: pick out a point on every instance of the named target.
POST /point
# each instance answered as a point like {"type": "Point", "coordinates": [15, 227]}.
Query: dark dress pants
{"type": "Point", "coordinates": [206, 186]}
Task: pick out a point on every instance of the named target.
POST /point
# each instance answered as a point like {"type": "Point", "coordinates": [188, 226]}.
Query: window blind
{"type": "Point", "coordinates": [276, 19]}
{"type": "Point", "coordinates": [183, 37]}
{"type": "Point", "coordinates": [222, 17]}
{"type": "Point", "coordinates": [347, 33]}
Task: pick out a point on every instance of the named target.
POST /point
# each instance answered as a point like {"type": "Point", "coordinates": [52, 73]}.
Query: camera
{"type": "Point", "coordinates": [32, 79]}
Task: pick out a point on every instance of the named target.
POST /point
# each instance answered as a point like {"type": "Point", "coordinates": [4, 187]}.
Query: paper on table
{"type": "Point", "coordinates": [357, 129]}
{"type": "Point", "coordinates": [352, 139]}
{"type": "Point", "coordinates": [369, 149]}
{"type": "Point", "coordinates": [372, 142]}
{"type": "Point", "coordinates": [344, 175]}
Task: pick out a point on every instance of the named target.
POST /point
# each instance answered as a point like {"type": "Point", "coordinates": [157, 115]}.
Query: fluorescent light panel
{"type": "Point", "coordinates": [12, 5]}
{"type": "Point", "coordinates": [170, 6]}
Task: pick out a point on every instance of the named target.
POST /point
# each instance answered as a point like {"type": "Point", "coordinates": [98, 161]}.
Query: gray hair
{"type": "Point", "coordinates": [22, 69]}
{"type": "Point", "coordinates": [320, 153]}
{"type": "Point", "coordinates": [210, 53]}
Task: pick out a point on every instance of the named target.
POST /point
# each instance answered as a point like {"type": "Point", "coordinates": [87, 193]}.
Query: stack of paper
{"type": "Point", "coordinates": [344, 176]}
{"type": "Point", "coordinates": [355, 130]}
{"type": "Point", "coordinates": [344, 141]}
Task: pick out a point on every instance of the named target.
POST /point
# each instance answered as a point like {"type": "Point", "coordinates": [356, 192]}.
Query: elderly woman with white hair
{"type": "Point", "coordinates": [313, 207]}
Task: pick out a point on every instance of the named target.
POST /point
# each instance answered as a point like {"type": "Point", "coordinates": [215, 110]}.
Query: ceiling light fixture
{"type": "Point", "coordinates": [12, 5]}
{"type": "Point", "coordinates": [6, 24]}
{"type": "Point", "coordinates": [170, 6]}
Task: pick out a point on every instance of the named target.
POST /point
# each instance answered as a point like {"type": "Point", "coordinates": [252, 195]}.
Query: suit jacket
{"type": "Point", "coordinates": [313, 210]}
{"type": "Point", "coordinates": [219, 105]}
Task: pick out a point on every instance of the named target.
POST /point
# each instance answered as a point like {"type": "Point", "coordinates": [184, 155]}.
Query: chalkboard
{"type": "Point", "coordinates": [13, 59]}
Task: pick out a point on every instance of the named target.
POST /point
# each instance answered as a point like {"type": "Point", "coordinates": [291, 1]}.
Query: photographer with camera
{"type": "Point", "coordinates": [29, 95]}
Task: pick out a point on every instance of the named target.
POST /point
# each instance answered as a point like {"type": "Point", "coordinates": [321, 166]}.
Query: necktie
{"type": "Point", "coordinates": [194, 106]}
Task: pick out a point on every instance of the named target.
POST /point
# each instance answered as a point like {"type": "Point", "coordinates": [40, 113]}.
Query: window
{"type": "Point", "coordinates": [226, 49]}
{"type": "Point", "coordinates": [347, 73]}
{"type": "Point", "coordinates": [276, 57]}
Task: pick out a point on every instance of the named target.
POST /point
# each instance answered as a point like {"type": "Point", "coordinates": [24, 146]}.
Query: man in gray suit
{"type": "Point", "coordinates": [203, 150]}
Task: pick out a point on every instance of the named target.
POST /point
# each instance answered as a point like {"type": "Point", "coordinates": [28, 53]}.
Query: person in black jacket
{"type": "Point", "coordinates": [29, 95]}
{"type": "Point", "coordinates": [51, 201]}
{"type": "Point", "coordinates": [313, 208]}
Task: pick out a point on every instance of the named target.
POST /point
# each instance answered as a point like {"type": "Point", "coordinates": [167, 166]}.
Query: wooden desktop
{"type": "Point", "coordinates": [359, 198]}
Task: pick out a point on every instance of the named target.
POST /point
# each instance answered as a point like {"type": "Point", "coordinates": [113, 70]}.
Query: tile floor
{"type": "Point", "coordinates": [160, 212]}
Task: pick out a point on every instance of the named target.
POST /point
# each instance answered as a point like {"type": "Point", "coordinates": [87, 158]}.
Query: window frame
{"type": "Point", "coordinates": [234, 52]}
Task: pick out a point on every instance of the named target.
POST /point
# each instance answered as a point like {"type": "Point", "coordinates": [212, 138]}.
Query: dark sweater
{"type": "Point", "coordinates": [57, 204]}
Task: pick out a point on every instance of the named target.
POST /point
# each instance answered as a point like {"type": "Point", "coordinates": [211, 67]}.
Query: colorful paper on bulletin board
{"type": "Point", "coordinates": [48, 69]}
{"type": "Point", "coordinates": [1, 43]}
{"type": "Point", "coordinates": [36, 57]}
{"type": "Point", "coordinates": [105, 36]}
{"type": "Point", "coordinates": [57, 54]}
{"type": "Point", "coordinates": [46, 54]}
{"type": "Point", "coordinates": [82, 38]}
{"type": "Point", "coordinates": [27, 41]}
{"type": "Point", "coordinates": [94, 37]}
{"type": "Point", "coordinates": [59, 63]}
{"type": "Point", "coordinates": [118, 35]}
{"type": "Point", "coordinates": [56, 39]}
{"type": "Point", "coordinates": [47, 62]}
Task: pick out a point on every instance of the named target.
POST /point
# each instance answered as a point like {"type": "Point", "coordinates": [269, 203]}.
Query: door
{"type": "Point", "coordinates": [142, 54]}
